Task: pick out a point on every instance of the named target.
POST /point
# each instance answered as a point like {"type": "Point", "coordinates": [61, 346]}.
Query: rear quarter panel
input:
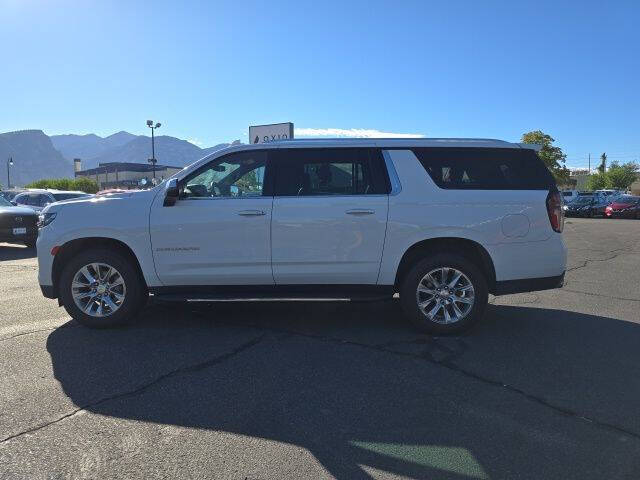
{"type": "Point", "coordinates": [512, 225]}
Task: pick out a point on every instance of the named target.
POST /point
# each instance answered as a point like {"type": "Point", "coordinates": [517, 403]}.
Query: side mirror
{"type": "Point", "coordinates": [171, 193]}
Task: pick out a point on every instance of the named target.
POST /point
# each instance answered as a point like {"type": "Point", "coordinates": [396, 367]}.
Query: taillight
{"type": "Point", "coordinates": [554, 209]}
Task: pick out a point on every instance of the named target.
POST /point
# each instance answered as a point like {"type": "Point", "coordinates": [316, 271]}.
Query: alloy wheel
{"type": "Point", "coordinates": [98, 289]}
{"type": "Point", "coordinates": [445, 295]}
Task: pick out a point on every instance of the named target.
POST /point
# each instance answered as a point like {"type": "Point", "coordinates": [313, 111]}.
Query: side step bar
{"type": "Point", "coordinates": [271, 293]}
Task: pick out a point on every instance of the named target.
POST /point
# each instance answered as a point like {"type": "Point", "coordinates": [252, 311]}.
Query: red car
{"type": "Point", "coordinates": [625, 206]}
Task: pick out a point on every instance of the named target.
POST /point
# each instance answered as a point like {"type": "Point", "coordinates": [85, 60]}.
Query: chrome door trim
{"type": "Point", "coordinates": [396, 186]}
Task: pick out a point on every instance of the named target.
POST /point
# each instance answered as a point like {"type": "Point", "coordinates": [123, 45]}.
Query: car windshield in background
{"type": "Point", "coordinates": [583, 200]}
{"type": "Point", "coordinates": [4, 202]}
{"type": "Point", "coordinates": [68, 196]}
{"type": "Point", "coordinates": [8, 195]}
{"type": "Point", "coordinates": [627, 199]}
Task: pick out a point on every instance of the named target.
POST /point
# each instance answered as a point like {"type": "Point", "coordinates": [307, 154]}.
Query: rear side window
{"type": "Point", "coordinates": [485, 168]}
{"type": "Point", "coordinates": [328, 171]}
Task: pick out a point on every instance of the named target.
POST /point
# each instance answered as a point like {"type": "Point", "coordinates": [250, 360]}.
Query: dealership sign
{"type": "Point", "coordinates": [270, 133]}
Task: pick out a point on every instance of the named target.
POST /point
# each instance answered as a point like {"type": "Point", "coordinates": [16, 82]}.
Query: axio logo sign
{"type": "Point", "coordinates": [271, 133]}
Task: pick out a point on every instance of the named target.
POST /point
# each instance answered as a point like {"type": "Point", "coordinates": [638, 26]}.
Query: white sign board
{"type": "Point", "coordinates": [270, 133]}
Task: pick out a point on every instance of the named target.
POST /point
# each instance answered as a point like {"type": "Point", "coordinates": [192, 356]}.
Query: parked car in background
{"type": "Point", "coordinates": [10, 194]}
{"type": "Point", "coordinates": [625, 206]}
{"type": "Point", "coordinates": [442, 222]}
{"type": "Point", "coordinates": [569, 195]}
{"type": "Point", "coordinates": [38, 199]}
{"type": "Point", "coordinates": [609, 193]}
{"type": "Point", "coordinates": [586, 205]}
{"type": "Point", "coordinates": [17, 224]}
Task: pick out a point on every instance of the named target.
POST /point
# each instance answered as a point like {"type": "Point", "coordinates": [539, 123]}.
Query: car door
{"type": "Point", "coordinates": [218, 231]}
{"type": "Point", "coordinates": [329, 216]}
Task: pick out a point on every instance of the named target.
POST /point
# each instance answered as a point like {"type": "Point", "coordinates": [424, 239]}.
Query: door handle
{"type": "Point", "coordinates": [251, 213]}
{"type": "Point", "coordinates": [359, 211]}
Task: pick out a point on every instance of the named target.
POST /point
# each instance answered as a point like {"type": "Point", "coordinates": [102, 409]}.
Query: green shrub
{"type": "Point", "coordinates": [82, 184]}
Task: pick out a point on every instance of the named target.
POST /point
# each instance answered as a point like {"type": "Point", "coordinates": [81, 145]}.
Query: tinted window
{"type": "Point", "coordinates": [235, 175]}
{"type": "Point", "coordinates": [22, 199]}
{"type": "Point", "coordinates": [5, 203]}
{"type": "Point", "coordinates": [485, 168]}
{"type": "Point", "coordinates": [68, 196]}
{"type": "Point", "coordinates": [41, 200]}
{"type": "Point", "coordinates": [330, 171]}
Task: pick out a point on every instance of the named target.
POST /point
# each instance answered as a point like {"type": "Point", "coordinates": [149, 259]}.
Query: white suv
{"type": "Point", "coordinates": [442, 222]}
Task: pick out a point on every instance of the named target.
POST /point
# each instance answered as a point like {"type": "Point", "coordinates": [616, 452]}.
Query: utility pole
{"type": "Point", "coordinates": [153, 160]}
{"type": "Point", "coordinates": [589, 164]}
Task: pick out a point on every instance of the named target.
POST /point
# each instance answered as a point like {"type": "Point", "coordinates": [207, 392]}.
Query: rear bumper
{"type": "Point", "coordinates": [506, 287]}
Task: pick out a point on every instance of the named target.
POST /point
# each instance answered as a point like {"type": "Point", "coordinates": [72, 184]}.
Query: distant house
{"type": "Point", "coordinates": [125, 175]}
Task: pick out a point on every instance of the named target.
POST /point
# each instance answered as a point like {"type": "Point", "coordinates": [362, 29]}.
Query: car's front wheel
{"type": "Point", "coordinates": [101, 289]}
{"type": "Point", "coordinates": [446, 293]}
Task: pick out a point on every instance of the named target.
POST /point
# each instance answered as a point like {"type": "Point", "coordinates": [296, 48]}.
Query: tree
{"type": "Point", "coordinates": [621, 177]}
{"type": "Point", "coordinates": [597, 181]}
{"type": "Point", "coordinates": [602, 168]}
{"type": "Point", "coordinates": [552, 156]}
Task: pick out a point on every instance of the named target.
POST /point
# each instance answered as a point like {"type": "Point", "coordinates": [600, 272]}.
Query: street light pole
{"type": "Point", "coordinates": [9, 163]}
{"type": "Point", "coordinates": [153, 160]}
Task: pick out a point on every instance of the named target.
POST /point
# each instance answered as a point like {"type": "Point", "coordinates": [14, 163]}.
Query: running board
{"type": "Point", "coordinates": [270, 293]}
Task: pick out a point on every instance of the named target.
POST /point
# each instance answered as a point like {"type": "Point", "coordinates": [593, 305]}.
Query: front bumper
{"type": "Point", "coordinates": [11, 238]}
{"type": "Point", "coordinates": [48, 291]}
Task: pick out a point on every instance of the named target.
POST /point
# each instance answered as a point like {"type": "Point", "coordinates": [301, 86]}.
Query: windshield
{"type": "Point", "coordinates": [583, 200]}
{"type": "Point", "coordinates": [627, 199]}
{"type": "Point", "coordinates": [5, 203]}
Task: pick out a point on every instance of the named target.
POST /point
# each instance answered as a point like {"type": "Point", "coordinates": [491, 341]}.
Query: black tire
{"type": "Point", "coordinates": [136, 291]}
{"type": "Point", "coordinates": [591, 214]}
{"type": "Point", "coordinates": [409, 286]}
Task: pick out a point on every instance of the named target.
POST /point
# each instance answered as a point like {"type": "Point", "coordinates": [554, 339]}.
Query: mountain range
{"type": "Point", "coordinates": [36, 155]}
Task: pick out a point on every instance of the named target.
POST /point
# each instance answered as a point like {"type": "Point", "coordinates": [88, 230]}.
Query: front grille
{"type": "Point", "coordinates": [12, 220]}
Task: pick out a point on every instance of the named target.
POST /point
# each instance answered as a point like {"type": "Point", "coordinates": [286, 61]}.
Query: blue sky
{"type": "Point", "coordinates": [207, 70]}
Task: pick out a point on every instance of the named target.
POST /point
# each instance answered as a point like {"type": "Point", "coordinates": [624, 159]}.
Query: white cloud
{"type": "Point", "coordinates": [352, 133]}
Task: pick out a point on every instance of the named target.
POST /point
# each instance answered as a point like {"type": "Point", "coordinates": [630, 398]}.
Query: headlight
{"type": "Point", "coordinates": [564, 207]}
{"type": "Point", "coordinates": [45, 219]}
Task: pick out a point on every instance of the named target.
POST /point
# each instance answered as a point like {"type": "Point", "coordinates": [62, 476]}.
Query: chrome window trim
{"type": "Point", "coordinates": [396, 186]}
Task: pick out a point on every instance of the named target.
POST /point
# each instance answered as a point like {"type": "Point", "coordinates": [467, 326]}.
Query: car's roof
{"type": "Point", "coordinates": [389, 142]}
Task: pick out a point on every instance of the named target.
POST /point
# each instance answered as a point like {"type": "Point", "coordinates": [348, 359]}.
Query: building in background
{"type": "Point", "coordinates": [125, 175]}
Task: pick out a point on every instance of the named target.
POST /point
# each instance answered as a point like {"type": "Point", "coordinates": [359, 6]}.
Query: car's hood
{"type": "Point", "coordinates": [101, 200]}
{"type": "Point", "coordinates": [24, 211]}
{"type": "Point", "coordinates": [619, 206]}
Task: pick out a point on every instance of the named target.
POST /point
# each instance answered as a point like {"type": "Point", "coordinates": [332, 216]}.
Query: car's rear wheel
{"type": "Point", "coordinates": [101, 289]}
{"type": "Point", "coordinates": [446, 293]}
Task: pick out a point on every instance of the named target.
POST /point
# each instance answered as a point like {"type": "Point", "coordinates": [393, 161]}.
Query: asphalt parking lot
{"type": "Point", "coordinates": [548, 386]}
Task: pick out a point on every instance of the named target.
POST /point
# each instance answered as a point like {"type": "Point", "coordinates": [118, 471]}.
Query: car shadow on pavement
{"type": "Point", "coordinates": [356, 387]}
{"type": "Point", "coordinates": [16, 252]}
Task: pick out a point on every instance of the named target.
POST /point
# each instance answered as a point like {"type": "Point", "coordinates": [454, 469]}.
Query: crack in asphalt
{"type": "Point", "coordinates": [447, 362]}
{"type": "Point", "coordinates": [621, 251]}
{"type": "Point", "coordinates": [601, 295]}
{"type": "Point", "coordinates": [136, 391]}
{"type": "Point", "coordinates": [48, 329]}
